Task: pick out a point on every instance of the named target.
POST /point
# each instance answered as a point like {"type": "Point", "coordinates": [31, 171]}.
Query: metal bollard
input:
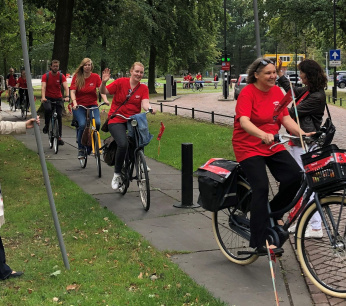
{"type": "Point", "coordinates": [186, 177]}
{"type": "Point", "coordinates": [164, 92]}
{"type": "Point", "coordinates": [174, 88]}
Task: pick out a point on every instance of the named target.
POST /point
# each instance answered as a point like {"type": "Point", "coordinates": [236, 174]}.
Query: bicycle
{"type": "Point", "coordinates": [53, 129]}
{"type": "Point", "coordinates": [323, 260]}
{"type": "Point", "coordinates": [135, 161]}
{"type": "Point", "coordinates": [197, 86]}
{"type": "Point", "coordinates": [13, 99]}
{"type": "Point", "coordinates": [95, 140]}
{"type": "Point", "coordinates": [24, 107]}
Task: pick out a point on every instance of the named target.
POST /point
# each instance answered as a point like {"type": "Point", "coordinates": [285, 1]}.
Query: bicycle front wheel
{"type": "Point", "coordinates": [228, 233]}
{"type": "Point", "coordinates": [324, 260]}
{"type": "Point", "coordinates": [97, 152]}
{"type": "Point", "coordinates": [50, 134]}
{"type": "Point", "coordinates": [12, 102]}
{"type": "Point", "coordinates": [56, 136]}
{"type": "Point", "coordinates": [143, 180]}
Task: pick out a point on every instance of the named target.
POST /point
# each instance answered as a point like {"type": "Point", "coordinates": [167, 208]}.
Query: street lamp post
{"type": "Point", "coordinates": [327, 64]}
{"type": "Point", "coordinates": [41, 61]}
{"type": "Point", "coordinates": [334, 88]}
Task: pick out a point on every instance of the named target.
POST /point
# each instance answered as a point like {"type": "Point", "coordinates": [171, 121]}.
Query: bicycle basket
{"type": "Point", "coordinates": [217, 183]}
{"type": "Point", "coordinates": [325, 168]}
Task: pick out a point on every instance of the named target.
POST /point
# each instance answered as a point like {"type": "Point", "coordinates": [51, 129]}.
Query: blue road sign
{"type": "Point", "coordinates": [335, 55]}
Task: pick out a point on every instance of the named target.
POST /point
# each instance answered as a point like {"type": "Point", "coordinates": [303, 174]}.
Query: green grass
{"type": "Point", "coordinates": [110, 263]}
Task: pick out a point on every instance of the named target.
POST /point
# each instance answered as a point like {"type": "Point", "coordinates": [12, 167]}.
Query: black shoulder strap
{"type": "Point", "coordinates": [328, 111]}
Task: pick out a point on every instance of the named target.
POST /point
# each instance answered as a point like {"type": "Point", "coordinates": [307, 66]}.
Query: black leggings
{"type": "Point", "coordinates": [286, 171]}
{"type": "Point", "coordinates": [118, 132]}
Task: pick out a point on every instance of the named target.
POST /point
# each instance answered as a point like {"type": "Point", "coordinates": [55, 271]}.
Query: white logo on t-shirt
{"type": "Point", "coordinates": [138, 96]}
{"type": "Point", "coordinates": [276, 103]}
{"type": "Point", "coordinates": [91, 84]}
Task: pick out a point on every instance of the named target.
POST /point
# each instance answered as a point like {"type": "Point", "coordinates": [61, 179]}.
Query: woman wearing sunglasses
{"type": "Point", "coordinates": [254, 130]}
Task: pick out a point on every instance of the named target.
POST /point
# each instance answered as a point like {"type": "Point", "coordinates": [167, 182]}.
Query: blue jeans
{"type": "Point", "coordinates": [80, 115]}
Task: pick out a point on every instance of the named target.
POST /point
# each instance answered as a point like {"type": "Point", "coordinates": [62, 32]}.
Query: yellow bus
{"type": "Point", "coordinates": [286, 59]}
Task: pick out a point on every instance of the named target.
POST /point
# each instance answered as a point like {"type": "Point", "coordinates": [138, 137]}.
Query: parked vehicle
{"type": "Point", "coordinates": [341, 80]}
{"type": "Point", "coordinates": [239, 85]}
{"type": "Point", "coordinates": [295, 80]}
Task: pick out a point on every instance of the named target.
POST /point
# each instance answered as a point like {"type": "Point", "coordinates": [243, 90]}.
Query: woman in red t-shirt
{"type": "Point", "coordinates": [121, 89]}
{"type": "Point", "coordinates": [23, 88]}
{"type": "Point", "coordinates": [83, 92]}
{"type": "Point", "coordinates": [254, 130]}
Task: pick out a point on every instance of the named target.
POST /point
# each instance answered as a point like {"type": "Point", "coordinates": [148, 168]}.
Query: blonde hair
{"type": "Point", "coordinates": [79, 72]}
{"type": "Point", "coordinates": [136, 64]}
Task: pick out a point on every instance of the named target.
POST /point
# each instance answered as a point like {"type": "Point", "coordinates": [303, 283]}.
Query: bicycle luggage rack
{"type": "Point", "coordinates": [325, 168]}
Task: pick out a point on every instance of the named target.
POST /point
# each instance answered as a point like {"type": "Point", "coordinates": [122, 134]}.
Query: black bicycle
{"type": "Point", "coordinates": [323, 260]}
{"type": "Point", "coordinates": [53, 130]}
{"type": "Point", "coordinates": [24, 107]}
{"type": "Point", "coordinates": [13, 99]}
{"type": "Point", "coordinates": [135, 166]}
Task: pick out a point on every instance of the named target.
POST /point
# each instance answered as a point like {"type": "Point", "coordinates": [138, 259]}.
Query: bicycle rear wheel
{"type": "Point", "coordinates": [97, 153]}
{"type": "Point", "coordinates": [143, 180]}
{"type": "Point", "coordinates": [227, 229]}
{"type": "Point", "coordinates": [324, 260]}
{"type": "Point", "coordinates": [56, 136]}
{"type": "Point", "coordinates": [83, 161]}
{"type": "Point", "coordinates": [22, 109]}
{"type": "Point", "coordinates": [12, 102]}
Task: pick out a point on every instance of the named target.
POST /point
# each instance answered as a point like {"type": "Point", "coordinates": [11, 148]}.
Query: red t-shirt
{"type": "Point", "coordinates": [12, 81]}
{"type": "Point", "coordinates": [120, 88]}
{"type": "Point", "coordinates": [22, 83]}
{"type": "Point", "coordinates": [53, 87]}
{"type": "Point", "coordinates": [87, 94]}
{"type": "Point", "coordinates": [259, 107]}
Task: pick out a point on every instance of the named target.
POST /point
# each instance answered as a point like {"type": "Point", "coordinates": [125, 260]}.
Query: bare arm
{"type": "Point", "coordinates": [66, 90]}
{"type": "Point", "coordinates": [146, 105]}
{"type": "Point", "coordinates": [104, 98]}
{"type": "Point", "coordinates": [43, 91]}
{"type": "Point", "coordinates": [73, 98]}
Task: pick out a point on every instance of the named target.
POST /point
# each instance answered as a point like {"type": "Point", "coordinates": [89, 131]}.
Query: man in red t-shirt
{"type": "Point", "coordinates": [11, 81]}
{"type": "Point", "coordinates": [51, 92]}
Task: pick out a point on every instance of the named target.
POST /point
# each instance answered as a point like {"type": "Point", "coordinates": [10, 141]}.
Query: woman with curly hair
{"type": "Point", "coordinates": [311, 102]}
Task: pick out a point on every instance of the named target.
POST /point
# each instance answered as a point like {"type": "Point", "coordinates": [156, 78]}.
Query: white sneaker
{"type": "Point", "coordinates": [292, 228]}
{"type": "Point", "coordinates": [310, 233]}
{"type": "Point", "coordinates": [116, 181]}
{"type": "Point", "coordinates": [148, 168]}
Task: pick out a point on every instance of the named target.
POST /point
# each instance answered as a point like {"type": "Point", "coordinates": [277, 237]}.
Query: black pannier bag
{"type": "Point", "coordinates": [109, 149]}
{"type": "Point", "coordinates": [217, 183]}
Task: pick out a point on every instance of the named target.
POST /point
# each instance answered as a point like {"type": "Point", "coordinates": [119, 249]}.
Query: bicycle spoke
{"type": "Point", "coordinates": [324, 259]}
{"type": "Point", "coordinates": [143, 180]}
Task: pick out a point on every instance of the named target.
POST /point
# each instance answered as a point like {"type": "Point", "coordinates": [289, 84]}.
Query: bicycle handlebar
{"type": "Point", "coordinates": [150, 110]}
{"type": "Point", "coordinates": [94, 107]}
{"type": "Point", "coordinates": [279, 138]}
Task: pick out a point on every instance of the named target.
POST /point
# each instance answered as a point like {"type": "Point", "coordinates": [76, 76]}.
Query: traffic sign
{"type": "Point", "coordinates": [335, 55]}
{"type": "Point", "coordinates": [334, 58]}
{"type": "Point", "coordinates": [226, 66]}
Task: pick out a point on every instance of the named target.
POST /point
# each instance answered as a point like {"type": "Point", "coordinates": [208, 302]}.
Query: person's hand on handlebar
{"type": "Point", "coordinates": [267, 138]}
{"type": "Point", "coordinates": [152, 110]}
{"type": "Point", "coordinates": [106, 102]}
{"type": "Point", "coordinates": [66, 99]}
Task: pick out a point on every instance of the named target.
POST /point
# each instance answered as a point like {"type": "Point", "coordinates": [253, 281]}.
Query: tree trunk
{"type": "Point", "coordinates": [152, 68]}
{"type": "Point", "coordinates": [62, 33]}
{"type": "Point", "coordinates": [104, 50]}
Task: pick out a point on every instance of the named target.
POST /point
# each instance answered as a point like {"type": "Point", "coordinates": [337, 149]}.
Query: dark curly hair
{"type": "Point", "coordinates": [315, 75]}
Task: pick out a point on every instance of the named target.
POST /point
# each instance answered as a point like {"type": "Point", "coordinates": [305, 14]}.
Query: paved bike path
{"type": "Point", "coordinates": [187, 233]}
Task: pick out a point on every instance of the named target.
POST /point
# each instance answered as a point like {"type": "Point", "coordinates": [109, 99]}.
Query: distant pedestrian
{"type": "Point", "coordinates": [216, 80]}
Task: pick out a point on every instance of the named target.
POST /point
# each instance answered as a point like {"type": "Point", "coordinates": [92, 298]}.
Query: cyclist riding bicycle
{"type": "Point", "coordinates": [129, 97]}
{"type": "Point", "coordinates": [83, 92]}
{"type": "Point", "coordinates": [51, 91]}
{"type": "Point", "coordinates": [11, 81]}
{"type": "Point", "coordinates": [23, 89]}
{"type": "Point", "coordinates": [254, 131]}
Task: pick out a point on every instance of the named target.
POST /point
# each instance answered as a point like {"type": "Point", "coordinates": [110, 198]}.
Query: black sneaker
{"type": "Point", "coordinates": [45, 129]}
{"type": "Point", "coordinates": [81, 154]}
{"type": "Point", "coordinates": [60, 142]}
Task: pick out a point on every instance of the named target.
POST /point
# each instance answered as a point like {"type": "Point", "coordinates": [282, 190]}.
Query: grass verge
{"type": "Point", "coordinates": [110, 263]}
